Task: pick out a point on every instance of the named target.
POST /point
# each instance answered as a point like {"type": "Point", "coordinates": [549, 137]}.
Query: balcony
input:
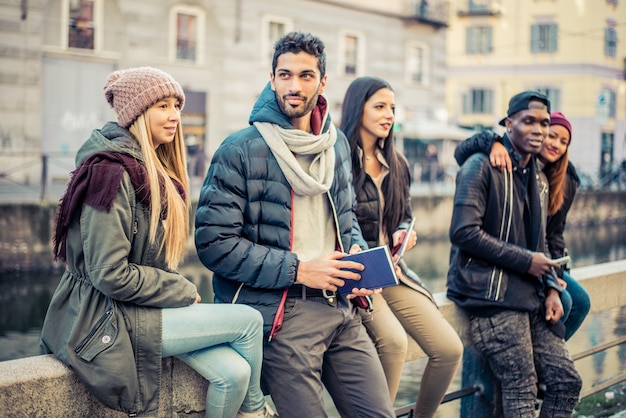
{"type": "Point", "coordinates": [480, 8]}
{"type": "Point", "coordinates": [431, 12]}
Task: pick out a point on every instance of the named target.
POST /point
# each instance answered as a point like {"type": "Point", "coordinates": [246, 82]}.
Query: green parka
{"type": "Point", "coordinates": [104, 319]}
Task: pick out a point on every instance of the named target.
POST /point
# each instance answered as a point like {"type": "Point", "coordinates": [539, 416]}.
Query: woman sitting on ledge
{"type": "Point", "coordinates": [121, 229]}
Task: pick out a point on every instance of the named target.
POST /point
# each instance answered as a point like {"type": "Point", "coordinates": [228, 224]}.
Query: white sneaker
{"type": "Point", "coordinates": [265, 412]}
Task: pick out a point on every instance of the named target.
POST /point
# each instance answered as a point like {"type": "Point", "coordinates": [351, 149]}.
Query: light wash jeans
{"type": "Point", "coordinates": [223, 343]}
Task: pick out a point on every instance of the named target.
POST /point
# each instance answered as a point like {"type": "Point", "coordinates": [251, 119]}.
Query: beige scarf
{"type": "Point", "coordinates": [284, 143]}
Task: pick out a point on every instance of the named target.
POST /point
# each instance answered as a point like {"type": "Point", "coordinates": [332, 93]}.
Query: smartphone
{"type": "Point", "coordinates": [562, 260]}
{"type": "Point", "coordinates": [399, 250]}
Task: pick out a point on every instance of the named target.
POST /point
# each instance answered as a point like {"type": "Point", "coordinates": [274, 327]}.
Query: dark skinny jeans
{"type": "Point", "coordinates": [521, 350]}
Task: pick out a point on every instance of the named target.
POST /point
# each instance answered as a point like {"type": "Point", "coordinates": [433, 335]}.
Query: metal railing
{"type": "Point", "coordinates": [477, 389]}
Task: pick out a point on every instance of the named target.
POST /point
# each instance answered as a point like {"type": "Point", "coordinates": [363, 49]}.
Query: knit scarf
{"type": "Point", "coordinates": [285, 144]}
{"type": "Point", "coordinates": [95, 182]}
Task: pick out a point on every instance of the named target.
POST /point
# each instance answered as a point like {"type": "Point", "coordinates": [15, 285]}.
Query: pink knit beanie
{"type": "Point", "coordinates": [131, 92]}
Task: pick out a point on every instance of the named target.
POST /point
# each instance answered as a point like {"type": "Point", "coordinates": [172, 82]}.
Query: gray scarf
{"type": "Point", "coordinates": [284, 143]}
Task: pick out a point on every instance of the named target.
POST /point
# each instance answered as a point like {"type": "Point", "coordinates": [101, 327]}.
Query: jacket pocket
{"type": "Point", "coordinates": [104, 360]}
{"type": "Point", "coordinates": [101, 337]}
{"type": "Point", "coordinates": [482, 279]}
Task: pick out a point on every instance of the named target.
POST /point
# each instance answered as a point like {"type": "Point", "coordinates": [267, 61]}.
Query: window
{"type": "Point", "coordinates": [543, 37]}
{"type": "Point", "coordinates": [417, 62]}
{"type": "Point", "coordinates": [82, 27]}
{"type": "Point", "coordinates": [194, 130]}
{"type": "Point", "coordinates": [606, 106]}
{"type": "Point", "coordinates": [612, 102]}
{"type": "Point", "coordinates": [352, 50]}
{"type": "Point", "coordinates": [185, 36]}
{"type": "Point", "coordinates": [478, 40]}
{"type": "Point", "coordinates": [187, 25]}
{"type": "Point", "coordinates": [273, 27]}
{"type": "Point", "coordinates": [478, 101]}
{"type": "Point", "coordinates": [554, 94]}
{"type": "Point", "coordinates": [479, 5]}
{"type": "Point", "coordinates": [351, 54]}
{"type": "Point", "coordinates": [610, 41]}
{"type": "Point", "coordinates": [607, 99]}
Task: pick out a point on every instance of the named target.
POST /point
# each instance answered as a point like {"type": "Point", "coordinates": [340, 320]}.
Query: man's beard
{"type": "Point", "coordinates": [296, 112]}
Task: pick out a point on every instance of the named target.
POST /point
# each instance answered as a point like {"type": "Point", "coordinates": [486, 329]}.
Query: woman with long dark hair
{"type": "Point", "coordinates": [382, 183]}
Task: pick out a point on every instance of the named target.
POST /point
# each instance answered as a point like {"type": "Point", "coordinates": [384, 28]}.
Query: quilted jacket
{"type": "Point", "coordinates": [244, 216]}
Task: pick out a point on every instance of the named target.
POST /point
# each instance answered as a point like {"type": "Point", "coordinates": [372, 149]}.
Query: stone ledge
{"type": "Point", "coordinates": [41, 386]}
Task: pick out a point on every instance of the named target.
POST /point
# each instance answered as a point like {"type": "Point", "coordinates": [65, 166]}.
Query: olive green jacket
{"type": "Point", "coordinates": [104, 319]}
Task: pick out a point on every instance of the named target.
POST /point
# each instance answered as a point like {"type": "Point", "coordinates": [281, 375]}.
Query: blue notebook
{"type": "Point", "coordinates": [379, 270]}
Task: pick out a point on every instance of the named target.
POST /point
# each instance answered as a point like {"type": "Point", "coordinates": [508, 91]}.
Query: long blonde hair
{"type": "Point", "coordinates": [168, 162]}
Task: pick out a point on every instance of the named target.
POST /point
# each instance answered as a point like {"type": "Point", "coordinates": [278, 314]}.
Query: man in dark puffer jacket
{"type": "Point", "coordinates": [274, 219]}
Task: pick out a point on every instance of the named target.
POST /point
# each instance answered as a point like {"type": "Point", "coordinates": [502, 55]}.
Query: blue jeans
{"type": "Point", "coordinates": [576, 305]}
{"type": "Point", "coordinates": [224, 344]}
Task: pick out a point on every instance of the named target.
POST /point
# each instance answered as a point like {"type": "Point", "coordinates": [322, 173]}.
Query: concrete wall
{"type": "Point", "coordinates": [26, 236]}
{"type": "Point", "coordinates": [26, 228]}
{"type": "Point", "coordinates": [433, 213]}
{"type": "Point", "coordinates": [40, 386]}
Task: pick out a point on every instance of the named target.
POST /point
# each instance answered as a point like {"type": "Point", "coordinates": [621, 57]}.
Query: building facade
{"type": "Point", "coordinates": [573, 50]}
{"type": "Point", "coordinates": [56, 55]}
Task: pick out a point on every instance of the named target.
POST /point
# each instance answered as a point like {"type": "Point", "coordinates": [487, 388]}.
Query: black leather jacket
{"type": "Point", "coordinates": [555, 242]}
{"type": "Point", "coordinates": [496, 226]}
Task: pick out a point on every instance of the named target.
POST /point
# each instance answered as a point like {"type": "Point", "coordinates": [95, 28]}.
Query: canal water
{"type": "Point", "coordinates": [24, 300]}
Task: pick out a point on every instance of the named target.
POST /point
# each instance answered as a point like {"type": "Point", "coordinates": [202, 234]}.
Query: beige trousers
{"type": "Point", "coordinates": [401, 310]}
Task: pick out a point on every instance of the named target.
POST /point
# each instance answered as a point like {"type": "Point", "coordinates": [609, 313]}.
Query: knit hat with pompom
{"type": "Point", "coordinates": [131, 92]}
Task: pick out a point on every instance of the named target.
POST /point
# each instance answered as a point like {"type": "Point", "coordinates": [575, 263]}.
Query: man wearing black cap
{"type": "Point", "coordinates": [499, 274]}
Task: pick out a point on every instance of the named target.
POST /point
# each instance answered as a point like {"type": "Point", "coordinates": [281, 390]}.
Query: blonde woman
{"type": "Point", "coordinates": [121, 229]}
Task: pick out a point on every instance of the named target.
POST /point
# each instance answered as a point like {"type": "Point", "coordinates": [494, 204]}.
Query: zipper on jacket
{"type": "Point", "coordinates": [495, 281]}
{"type": "Point", "coordinates": [336, 219]}
{"type": "Point", "coordinates": [468, 262]}
{"type": "Point", "coordinates": [279, 315]}
{"type": "Point", "coordinates": [93, 331]}
{"type": "Point", "coordinates": [237, 294]}
{"type": "Point", "coordinates": [292, 222]}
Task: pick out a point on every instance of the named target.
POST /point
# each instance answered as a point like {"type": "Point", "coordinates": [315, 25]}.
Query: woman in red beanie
{"type": "Point", "coordinates": [560, 181]}
{"type": "Point", "coordinates": [563, 182]}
